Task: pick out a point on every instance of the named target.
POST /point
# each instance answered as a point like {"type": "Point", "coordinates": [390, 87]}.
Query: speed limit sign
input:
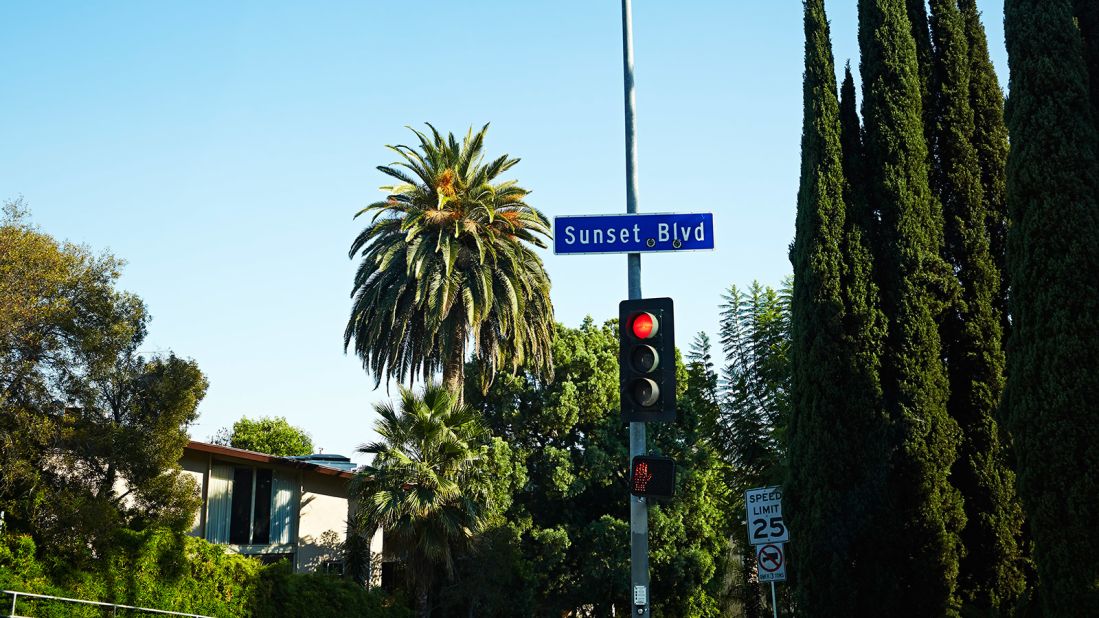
{"type": "Point", "coordinates": [764, 510]}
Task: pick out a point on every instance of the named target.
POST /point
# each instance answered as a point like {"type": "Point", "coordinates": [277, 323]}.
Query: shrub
{"type": "Point", "coordinates": [166, 570]}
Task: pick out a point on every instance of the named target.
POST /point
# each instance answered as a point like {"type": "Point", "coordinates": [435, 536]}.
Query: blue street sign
{"type": "Point", "coordinates": [633, 233]}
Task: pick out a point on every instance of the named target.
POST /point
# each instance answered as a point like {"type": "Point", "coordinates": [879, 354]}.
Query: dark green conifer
{"type": "Point", "coordinates": [854, 169]}
{"type": "Point", "coordinates": [837, 459]}
{"type": "Point", "coordinates": [991, 576]}
{"type": "Point", "coordinates": [990, 140]}
{"type": "Point", "coordinates": [925, 58]}
{"type": "Point", "coordinates": [1087, 18]}
{"type": "Point", "coordinates": [926, 513]}
{"type": "Point", "coordinates": [1053, 257]}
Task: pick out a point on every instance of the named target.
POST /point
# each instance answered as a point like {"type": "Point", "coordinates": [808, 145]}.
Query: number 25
{"type": "Point", "coordinates": [777, 528]}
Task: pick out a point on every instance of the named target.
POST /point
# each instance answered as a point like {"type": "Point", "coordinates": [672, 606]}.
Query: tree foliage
{"type": "Point", "coordinates": [754, 404]}
{"type": "Point", "coordinates": [991, 570]}
{"type": "Point", "coordinates": [990, 141]}
{"type": "Point", "coordinates": [1052, 386]}
{"type": "Point", "coordinates": [565, 543]}
{"type": "Point", "coordinates": [271, 435]}
{"type": "Point", "coordinates": [423, 487]}
{"type": "Point", "coordinates": [754, 394]}
{"type": "Point", "coordinates": [92, 430]}
{"type": "Point", "coordinates": [838, 469]}
{"type": "Point", "coordinates": [925, 511]}
{"type": "Point", "coordinates": [166, 570]}
{"type": "Point", "coordinates": [446, 258]}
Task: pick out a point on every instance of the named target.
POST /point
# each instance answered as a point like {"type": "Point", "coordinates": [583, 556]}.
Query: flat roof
{"type": "Point", "coordinates": [239, 453]}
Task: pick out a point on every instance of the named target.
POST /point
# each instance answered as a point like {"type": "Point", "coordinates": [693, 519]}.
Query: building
{"type": "Point", "coordinates": [273, 507]}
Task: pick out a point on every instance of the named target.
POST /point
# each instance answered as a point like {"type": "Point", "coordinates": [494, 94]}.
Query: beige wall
{"type": "Point", "coordinates": [196, 465]}
{"type": "Point", "coordinates": [322, 521]}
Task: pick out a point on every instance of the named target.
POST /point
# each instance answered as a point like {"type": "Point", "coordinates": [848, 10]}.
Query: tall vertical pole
{"type": "Point", "coordinates": [639, 510]}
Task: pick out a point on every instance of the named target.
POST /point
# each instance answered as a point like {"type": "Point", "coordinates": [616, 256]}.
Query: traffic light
{"type": "Point", "coordinates": [652, 476]}
{"type": "Point", "coordinates": [646, 360]}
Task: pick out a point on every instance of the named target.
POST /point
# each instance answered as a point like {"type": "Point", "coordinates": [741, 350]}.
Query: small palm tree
{"type": "Point", "coordinates": [447, 259]}
{"type": "Point", "coordinates": [423, 488]}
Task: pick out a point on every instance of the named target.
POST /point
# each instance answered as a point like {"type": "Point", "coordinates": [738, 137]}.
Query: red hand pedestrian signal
{"type": "Point", "coordinates": [641, 476]}
{"type": "Point", "coordinates": [652, 476]}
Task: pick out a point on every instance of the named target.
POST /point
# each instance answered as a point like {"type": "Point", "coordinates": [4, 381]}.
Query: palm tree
{"type": "Point", "coordinates": [447, 258]}
{"type": "Point", "coordinates": [423, 488]}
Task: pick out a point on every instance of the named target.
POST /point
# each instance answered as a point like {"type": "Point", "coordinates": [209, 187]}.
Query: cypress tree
{"type": "Point", "coordinates": [990, 576]}
{"type": "Point", "coordinates": [990, 141]}
{"type": "Point", "coordinates": [921, 35]}
{"type": "Point", "coordinates": [1087, 18]}
{"type": "Point", "coordinates": [837, 461]}
{"type": "Point", "coordinates": [854, 169]}
{"type": "Point", "coordinates": [1053, 257]}
{"type": "Point", "coordinates": [926, 513]}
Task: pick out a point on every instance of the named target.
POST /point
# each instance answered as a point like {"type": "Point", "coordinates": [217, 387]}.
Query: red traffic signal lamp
{"type": "Point", "coordinates": [646, 360]}
{"type": "Point", "coordinates": [652, 476]}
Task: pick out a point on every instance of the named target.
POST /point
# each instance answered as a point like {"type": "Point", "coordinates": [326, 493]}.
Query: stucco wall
{"type": "Point", "coordinates": [195, 465]}
{"type": "Point", "coordinates": [322, 521]}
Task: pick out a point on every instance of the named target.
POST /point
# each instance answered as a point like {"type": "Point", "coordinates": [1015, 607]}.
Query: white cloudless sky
{"type": "Point", "coordinates": [223, 148]}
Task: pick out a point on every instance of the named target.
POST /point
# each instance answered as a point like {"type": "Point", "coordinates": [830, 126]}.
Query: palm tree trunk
{"type": "Point", "coordinates": [454, 369]}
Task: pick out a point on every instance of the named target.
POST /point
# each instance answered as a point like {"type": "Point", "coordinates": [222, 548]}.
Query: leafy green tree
{"type": "Point", "coordinates": [1052, 386]}
{"type": "Point", "coordinates": [271, 435]}
{"type": "Point", "coordinates": [837, 473]}
{"type": "Point", "coordinates": [920, 543]}
{"type": "Point", "coordinates": [422, 487]}
{"type": "Point", "coordinates": [447, 259]}
{"type": "Point", "coordinates": [92, 431]}
{"type": "Point", "coordinates": [991, 570]}
{"type": "Point", "coordinates": [571, 518]}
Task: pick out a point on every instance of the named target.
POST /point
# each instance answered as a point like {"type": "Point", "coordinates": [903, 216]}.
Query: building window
{"type": "Point", "coordinates": [250, 518]}
{"type": "Point", "coordinates": [249, 506]}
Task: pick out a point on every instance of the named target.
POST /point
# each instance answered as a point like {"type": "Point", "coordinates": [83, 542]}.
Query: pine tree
{"type": "Point", "coordinates": [1053, 257]}
{"type": "Point", "coordinates": [926, 513]}
{"type": "Point", "coordinates": [990, 576]}
{"type": "Point", "coordinates": [837, 467]}
{"type": "Point", "coordinates": [990, 141]}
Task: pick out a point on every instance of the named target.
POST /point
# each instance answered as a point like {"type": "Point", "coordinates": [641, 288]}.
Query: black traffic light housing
{"type": "Point", "coordinates": [646, 360]}
{"type": "Point", "coordinates": [652, 476]}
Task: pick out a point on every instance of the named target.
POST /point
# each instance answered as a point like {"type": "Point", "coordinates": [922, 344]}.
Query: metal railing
{"type": "Point", "coordinates": [113, 606]}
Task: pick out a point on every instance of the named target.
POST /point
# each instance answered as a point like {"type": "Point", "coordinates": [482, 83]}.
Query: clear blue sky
{"type": "Point", "coordinates": [221, 148]}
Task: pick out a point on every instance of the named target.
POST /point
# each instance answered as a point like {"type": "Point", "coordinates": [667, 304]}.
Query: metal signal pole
{"type": "Point", "coordinates": [639, 509]}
